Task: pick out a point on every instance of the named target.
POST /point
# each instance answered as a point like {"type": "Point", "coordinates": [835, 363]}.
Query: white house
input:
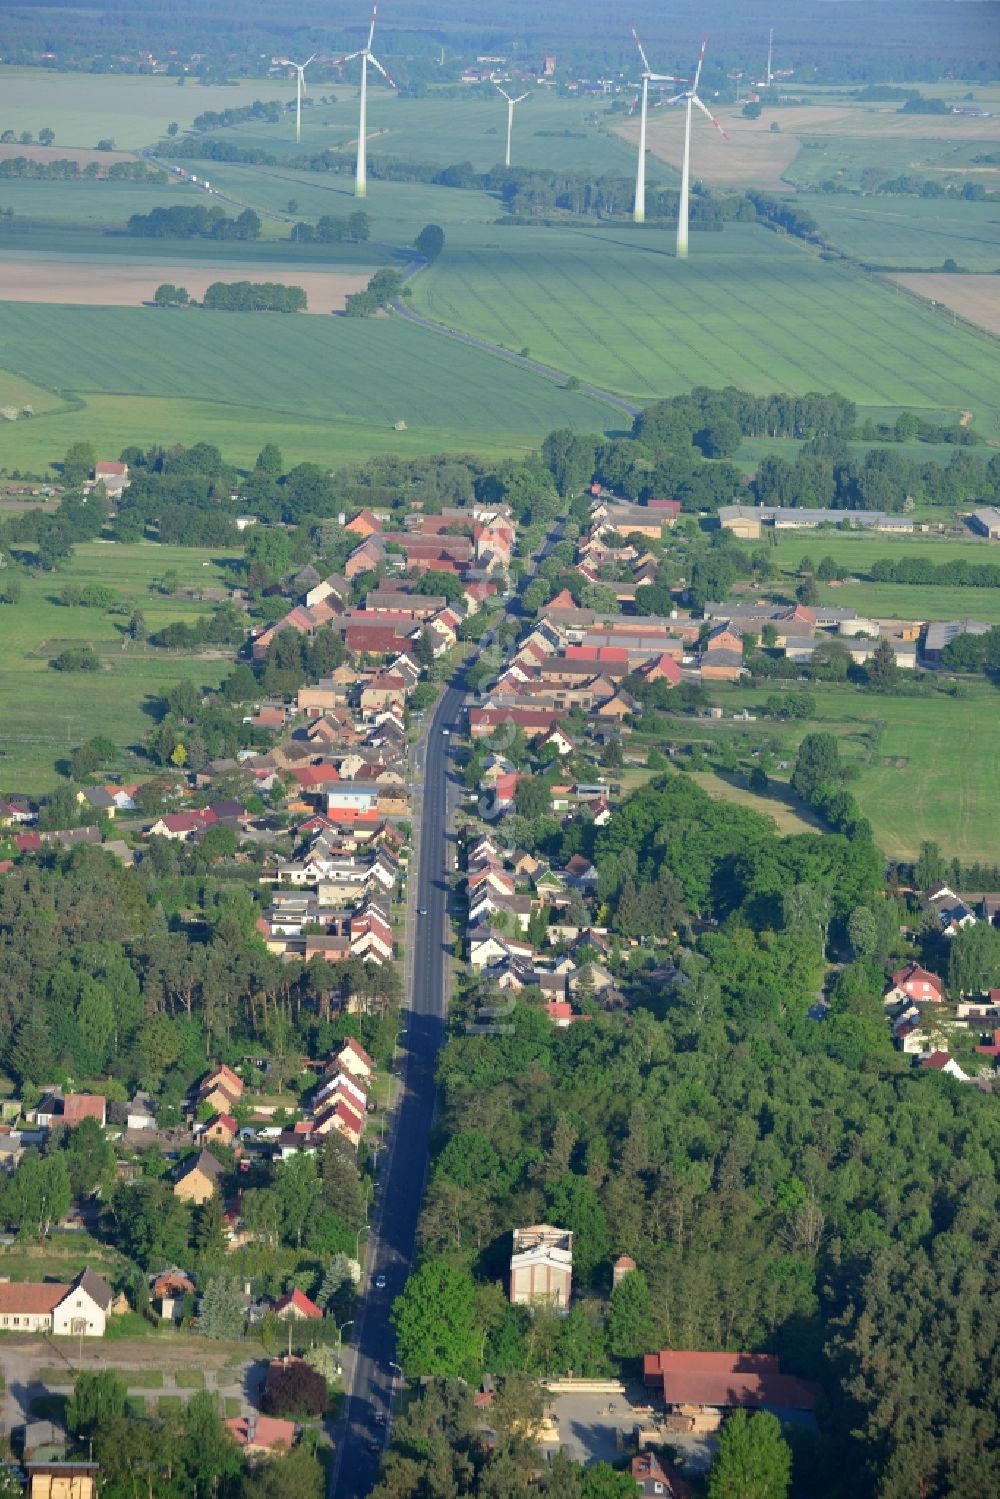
{"type": "Point", "coordinates": [77, 1310]}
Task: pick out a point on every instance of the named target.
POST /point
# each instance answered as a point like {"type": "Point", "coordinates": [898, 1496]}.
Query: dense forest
{"type": "Point", "coordinates": [894, 40]}
{"type": "Point", "coordinates": [783, 1183]}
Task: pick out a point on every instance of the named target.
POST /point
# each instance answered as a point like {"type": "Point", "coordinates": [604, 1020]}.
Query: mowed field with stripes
{"type": "Point", "coordinates": [749, 309]}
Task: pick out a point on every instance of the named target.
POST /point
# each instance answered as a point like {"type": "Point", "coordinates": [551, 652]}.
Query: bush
{"type": "Point", "coordinates": [77, 658]}
{"type": "Point", "coordinates": [296, 1390]}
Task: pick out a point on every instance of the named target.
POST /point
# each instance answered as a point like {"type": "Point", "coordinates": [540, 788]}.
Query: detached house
{"type": "Point", "coordinates": [914, 983]}
{"type": "Point", "coordinates": [199, 1180]}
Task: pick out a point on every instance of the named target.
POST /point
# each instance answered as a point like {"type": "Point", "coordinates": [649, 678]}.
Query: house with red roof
{"type": "Point", "coordinates": [364, 524]}
{"type": "Point", "coordinates": [353, 1059]}
{"type": "Point", "coordinates": [262, 1436]}
{"type": "Point", "coordinates": [295, 1306]}
{"type": "Point", "coordinates": [725, 1381]}
{"type": "Point", "coordinates": [80, 1106]}
{"type": "Point", "coordinates": [915, 983]}
{"type": "Point", "coordinates": [942, 1061]}
{"type": "Point", "coordinates": [662, 668]}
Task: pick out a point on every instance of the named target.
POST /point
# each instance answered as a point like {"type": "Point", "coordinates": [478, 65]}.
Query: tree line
{"type": "Point", "coordinates": [186, 221]}
{"type": "Point", "coordinates": [254, 296]}
{"type": "Point", "coordinates": [67, 169]}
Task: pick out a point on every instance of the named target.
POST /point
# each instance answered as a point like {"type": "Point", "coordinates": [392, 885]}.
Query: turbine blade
{"type": "Point", "coordinates": [633, 106]}
{"type": "Point", "coordinates": [501, 90]}
{"type": "Point", "coordinates": [520, 99]}
{"type": "Point", "coordinates": [665, 78]}
{"type": "Point", "coordinates": [674, 99]}
{"type": "Point", "coordinates": [642, 54]}
{"type": "Point", "coordinates": [347, 57]}
{"type": "Point", "coordinates": [376, 64]}
{"type": "Point", "coordinates": [309, 60]}
{"type": "Point", "coordinates": [371, 31]}
{"type": "Point", "coordinates": [709, 116]}
{"type": "Point", "coordinates": [701, 59]}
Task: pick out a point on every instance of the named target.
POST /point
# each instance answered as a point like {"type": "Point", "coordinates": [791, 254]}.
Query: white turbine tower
{"type": "Point", "coordinates": [691, 97]}
{"type": "Point", "coordinates": [648, 77]}
{"type": "Point", "coordinates": [770, 49]}
{"type": "Point", "coordinates": [300, 88]}
{"type": "Point", "coordinates": [511, 104]}
{"type": "Point", "coordinates": [367, 56]}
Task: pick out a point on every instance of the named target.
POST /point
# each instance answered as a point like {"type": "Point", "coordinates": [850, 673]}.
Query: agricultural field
{"type": "Point", "coordinates": [749, 309]}
{"type": "Point", "coordinates": [974, 298]}
{"type": "Point", "coordinates": [132, 111]}
{"type": "Point", "coordinates": [247, 377]}
{"type": "Point", "coordinates": [399, 210]}
{"type": "Point", "coordinates": [91, 203]}
{"type": "Point", "coordinates": [570, 135]}
{"type": "Point", "coordinates": [908, 233]}
{"type": "Point", "coordinates": [927, 764]}
{"type": "Point", "coordinates": [832, 138]}
{"type": "Point", "coordinates": [114, 283]}
{"type": "Point", "coordinates": [46, 712]}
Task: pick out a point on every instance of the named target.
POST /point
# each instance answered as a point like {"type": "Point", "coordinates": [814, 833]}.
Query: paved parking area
{"type": "Point", "coordinates": [589, 1427]}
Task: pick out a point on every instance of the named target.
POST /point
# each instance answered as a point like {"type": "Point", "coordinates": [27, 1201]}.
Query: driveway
{"type": "Point", "coordinates": [589, 1431]}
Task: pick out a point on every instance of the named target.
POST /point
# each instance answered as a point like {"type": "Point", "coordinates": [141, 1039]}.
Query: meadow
{"type": "Point", "coordinates": [749, 309]}
{"type": "Point", "coordinates": [46, 712]}
{"type": "Point", "coordinates": [249, 377]}
{"type": "Point", "coordinates": [927, 765]}
{"type": "Point", "coordinates": [88, 203]}
{"type": "Point", "coordinates": [909, 232]}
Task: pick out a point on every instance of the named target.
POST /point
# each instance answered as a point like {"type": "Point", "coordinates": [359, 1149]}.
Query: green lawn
{"type": "Point", "coordinates": [916, 233]}
{"type": "Point", "coordinates": [905, 601]}
{"type": "Point", "coordinates": [253, 377]}
{"type": "Point", "coordinates": [748, 308]}
{"type": "Point", "coordinates": [932, 774]}
{"type": "Point", "coordinates": [46, 712]}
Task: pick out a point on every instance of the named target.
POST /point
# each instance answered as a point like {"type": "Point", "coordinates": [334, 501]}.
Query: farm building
{"type": "Point", "coordinates": [747, 521]}
{"type": "Point", "coordinates": [986, 521]}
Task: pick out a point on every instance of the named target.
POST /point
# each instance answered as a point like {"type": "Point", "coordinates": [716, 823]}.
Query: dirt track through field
{"type": "Point", "coordinates": [120, 284]}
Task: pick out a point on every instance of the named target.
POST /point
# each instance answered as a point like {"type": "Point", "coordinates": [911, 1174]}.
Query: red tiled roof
{"type": "Point", "coordinates": [267, 1431]}
{"type": "Point", "coordinates": [30, 1298]}
{"type": "Point", "coordinates": [725, 1379]}
{"type": "Point", "coordinates": [77, 1106]}
{"type": "Point", "coordinates": [300, 1301]}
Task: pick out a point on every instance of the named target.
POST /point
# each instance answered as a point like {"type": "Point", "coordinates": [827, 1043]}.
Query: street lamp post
{"type": "Point", "coordinates": [357, 1239]}
{"type": "Point", "coordinates": [340, 1330]}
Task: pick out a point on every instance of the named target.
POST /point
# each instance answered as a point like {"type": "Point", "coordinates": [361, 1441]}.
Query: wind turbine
{"type": "Point", "coordinates": [691, 97]}
{"type": "Point", "coordinates": [300, 88]}
{"type": "Point", "coordinates": [648, 77]}
{"type": "Point", "coordinates": [510, 115]}
{"type": "Point", "coordinates": [367, 56]}
{"type": "Point", "coordinates": [770, 48]}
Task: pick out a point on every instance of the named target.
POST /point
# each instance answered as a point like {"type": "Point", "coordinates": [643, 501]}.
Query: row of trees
{"type": "Point", "coordinates": [69, 169]}
{"type": "Point", "coordinates": [351, 229]}
{"type": "Point", "coordinates": [194, 221]}
{"type": "Point", "coordinates": [254, 296]}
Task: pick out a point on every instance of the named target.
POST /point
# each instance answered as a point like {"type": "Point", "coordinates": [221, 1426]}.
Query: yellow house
{"type": "Point", "coordinates": [200, 1180]}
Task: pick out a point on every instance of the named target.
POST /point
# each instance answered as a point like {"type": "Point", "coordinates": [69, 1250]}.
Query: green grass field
{"type": "Point", "coordinates": [46, 712]}
{"type": "Point", "coordinates": [748, 309]}
{"type": "Point", "coordinates": [909, 232]}
{"type": "Point", "coordinates": [931, 776]}
{"type": "Point", "coordinates": [253, 377]}
{"type": "Point", "coordinates": [904, 601]}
